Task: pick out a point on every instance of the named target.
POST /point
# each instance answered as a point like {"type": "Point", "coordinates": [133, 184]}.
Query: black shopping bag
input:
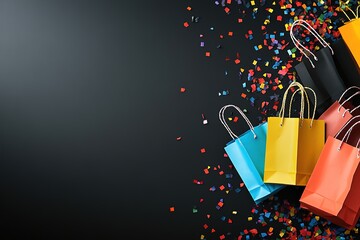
{"type": "Point", "coordinates": [318, 71]}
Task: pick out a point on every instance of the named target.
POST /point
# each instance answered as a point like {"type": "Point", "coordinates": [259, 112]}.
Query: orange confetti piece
{"type": "Point", "coordinates": [237, 61]}
{"type": "Point", "coordinates": [188, 8]}
{"type": "Point", "coordinates": [172, 209]}
{"type": "Point", "coordinates": [207, 54]}
{"type": "Point", "coordinates": [231, 34]}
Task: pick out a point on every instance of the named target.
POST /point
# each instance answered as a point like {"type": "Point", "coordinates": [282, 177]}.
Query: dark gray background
{"type": "Point", "coordinates": [89, 112]}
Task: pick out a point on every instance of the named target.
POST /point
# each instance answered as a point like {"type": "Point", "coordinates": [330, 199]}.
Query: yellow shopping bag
{"type": "Point", "coordinates": [293, 145]}
{"type": "Point", "coordinates": [350, 32]}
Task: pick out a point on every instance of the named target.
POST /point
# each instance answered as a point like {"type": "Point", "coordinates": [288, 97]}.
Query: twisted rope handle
{"type": "Point", "coordinates": [353, 87]}
{"type": "Point", "coordinates": [312, 31]}
{"type": "Point", "coordinates": [346, 124]}
{"type": "Point", "coordinates": [307, 100]}
{"type": "Point", "coordinates": [222, 120]}
{"type": "Point", "coordinates": [346, 7]}
{"type": "Point", "coordinates": [342, 104]}
{"type": "Point", "coordinates": [282, 110]}
{"type": "Point", "coordinates": [347, 134]}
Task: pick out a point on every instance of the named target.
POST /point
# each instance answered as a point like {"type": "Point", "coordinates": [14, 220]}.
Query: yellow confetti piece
{"type": "Point", "coordinates": [230, 119]}
{"type": "Point", "coordinates": [280, 86]}
{"type": "Point", "coordinates": [250, 218]}
{"type": "Point", "coordinates": [254, 62]}
{"type": "Point", "coordinates": [286, 27]}
{"type": "Point", "coordinates": [260, 46]}
{"type": "Point", "coordinates": [317, 48]}
{"type": "Point", "coordinates": [317, 218]}
{"type": "Point", "coordinates": [347, 232]}
{"type": "Point", "coordinates": [274, 3]}
{"type": "Point", "coordinates": [234, 212]}
{"type": "Point", "coordinates": [267, 64]}
{"type": "Point", "coordinates": [271, 10]}
{"type": "Point", "coordinates": [266, 22]}
{"type": "Point", "coordinates": [264, 75]}
{"type": "Point", "coordinates": [283, 7]}
{"type": "Point", "coordinates": [242, 70]}
{"type": "Point", "coordinates": [202, 237]}
{"type": "Point", "coordinates": [262, 86]}
{"type": "Point", "coordinates": [252, 3]}
{"type": "Point", "coordinates": [293, 55]}
{"type": "Point", "coordinates": [281, 234]}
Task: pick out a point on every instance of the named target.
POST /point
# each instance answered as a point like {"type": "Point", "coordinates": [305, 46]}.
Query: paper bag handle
{"type": "Point", "coordinates": [302, 108]}
{"type": "Point", "coordinates": [348, 99]}
{"type": "Point", "coordinates": [312, 31]}
{"type": "Point", "coordinates": [347, 134]}
{"type": "Point", "coordinates": [343, 95]}
{"type": "Point", "coordinates": [346, 124]}
{"type": "Point", "coordinates": [346, 7]}
{"type": "Point", "coordinates": [222, 120]}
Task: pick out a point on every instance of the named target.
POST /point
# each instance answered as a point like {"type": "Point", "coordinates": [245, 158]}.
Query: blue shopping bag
{"type": "Point", "coordinates": [247, 153]}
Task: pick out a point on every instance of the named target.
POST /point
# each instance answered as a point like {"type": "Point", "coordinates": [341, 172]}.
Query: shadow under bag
{"type": "Point", "coordinates": [247, 153]}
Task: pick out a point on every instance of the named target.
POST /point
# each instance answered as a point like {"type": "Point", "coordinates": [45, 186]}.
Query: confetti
{"type": "Point", "coordinates": [261, 77]}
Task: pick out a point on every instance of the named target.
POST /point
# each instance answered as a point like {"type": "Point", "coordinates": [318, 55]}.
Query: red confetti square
{"type": "Point", "coordinates": [186, 24]}
{"type": "Point", "coordinates": [182, 89]}
{"type": "Point", "coordinates": [203, 150]}
{"type": "Point", "coordinates": [207, 54]}
{"type": "Point", "coordinates": [172, 209]}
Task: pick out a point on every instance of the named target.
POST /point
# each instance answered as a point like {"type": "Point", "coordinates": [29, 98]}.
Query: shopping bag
{"type": "Point", "coordinates": [350, 32]}
{"type": "Point", "coordinates": [333, 191]}
{"type": "Point", "coordinates": [247, 153]}
{"type": "Point", "coordinates": [339, 113]}
{"type": "Point", "coordinates": [293, 145]}
{"type": "Point", "coordinates": [346, 64]}
{"type": "Point", "coordinates": [319, 73]}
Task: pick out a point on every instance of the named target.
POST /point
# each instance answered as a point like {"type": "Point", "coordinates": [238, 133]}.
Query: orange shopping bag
{"type": "Point", "coordinates": [333, 191]}
{"type": "Point", "coordinates": [350, 32]}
